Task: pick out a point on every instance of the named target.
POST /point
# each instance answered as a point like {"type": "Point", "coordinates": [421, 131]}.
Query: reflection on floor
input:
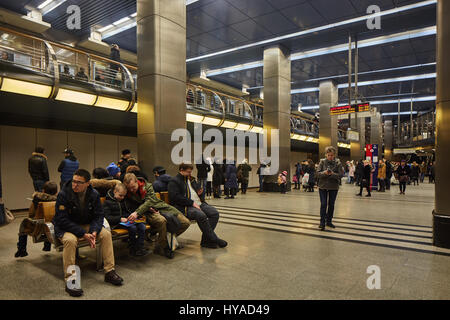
{"type": "Point", "coordinates": [275, 252]}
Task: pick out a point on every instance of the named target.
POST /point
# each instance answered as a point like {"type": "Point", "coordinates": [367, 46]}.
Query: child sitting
{"type": "Point", "coordinates": [116, 212]}
{"type": "Point", "coordinates": [30, 227]}
{"type": "Point", "coordinates": [282, 181]}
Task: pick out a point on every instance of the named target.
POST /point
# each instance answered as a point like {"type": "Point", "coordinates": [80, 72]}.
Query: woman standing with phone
{"type": "Point", "coordinates": [329, 173]}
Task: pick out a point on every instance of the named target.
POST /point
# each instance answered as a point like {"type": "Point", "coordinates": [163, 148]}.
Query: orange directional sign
{"type": "Point", "coordinates": [360, 107]}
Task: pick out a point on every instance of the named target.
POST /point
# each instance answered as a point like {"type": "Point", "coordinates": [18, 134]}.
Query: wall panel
{"type": "Point", "coordinates": [17, 144]}
{"type": "Point", "coordinates": [83, 145]}
{"type": "Point", "coordinates": [106, 150]}
{"type": "Point", "coordinates": [54, 142]}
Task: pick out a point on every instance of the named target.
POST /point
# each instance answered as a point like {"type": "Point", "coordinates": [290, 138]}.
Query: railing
{"type": "Point", "coordinates": [62, 62]}
{"type": "Point", "coordinates": [422, 131]}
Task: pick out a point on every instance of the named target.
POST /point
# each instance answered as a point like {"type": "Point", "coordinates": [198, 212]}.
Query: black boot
{"type": "Point", "coordinates": [47, 246]}
{"type": "Point", "coordinates": [21, 247]}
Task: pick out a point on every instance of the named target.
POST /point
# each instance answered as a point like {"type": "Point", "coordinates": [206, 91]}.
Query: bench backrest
{"type": "Point", "coordinates": [46, 211]}
{"type": "Point", "coordinates": [164, 196]}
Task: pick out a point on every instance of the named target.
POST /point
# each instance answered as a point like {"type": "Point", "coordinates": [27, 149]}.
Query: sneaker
{"type": "Point", "coordinates": [331, 225]}
{"type": "Point", "coordinates": [113, 277]}
{"type": "Point", "coordinates": [221, 243]}
{"type": "Point", "coordinates": [47, 246]}
{"type": "Point", "coordinates": [74, 292]}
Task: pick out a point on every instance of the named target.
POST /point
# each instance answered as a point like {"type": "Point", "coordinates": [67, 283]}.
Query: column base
{"type": "Point", "coordinates": [441, 231]}
{"type": "Point", "coordinates": [274, 187]}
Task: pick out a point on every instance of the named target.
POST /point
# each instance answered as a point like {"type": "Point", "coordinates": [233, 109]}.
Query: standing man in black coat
{"type": "Point", "coordinates": [115, 55]}
{"type": "Point", "coordinates": [388, 174]}
{"type": "Point", "coordinates": [365, 179]}
{"type": "Point", "coordinates": [202, 173]}
{"type": "Point", "coordinates": [38, 169]}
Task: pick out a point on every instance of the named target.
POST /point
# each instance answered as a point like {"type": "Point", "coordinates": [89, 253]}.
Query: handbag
{"type": "Point", "coordinates": [6, 216]}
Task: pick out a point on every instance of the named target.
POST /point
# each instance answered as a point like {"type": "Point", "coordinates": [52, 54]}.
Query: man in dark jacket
{"type": "Point", "coordinates": [388, 174]}
{"type": "Point", "coordinates": [79, 214]}
{"type": "Point", "coordinates": [260, 174]}
{"type": "Point", "coordinates": [365, 179]}
{"type": "Point", "coordinates": [202, 173]}
{"type": "Point", "coordinates": [114, 55]}
{"type": "Point", "coordinates": [403, 172]}
{"type": "Point", "coordinates": [161, 183]}
{"type": "Point", "coordinates": [68, 166]}
{"type": "Point", "coordinates": [184, 194]}
{"type": "Point", "coordinates": [123, 162]}
{"type": "Point", "coordinates": [38, 169]}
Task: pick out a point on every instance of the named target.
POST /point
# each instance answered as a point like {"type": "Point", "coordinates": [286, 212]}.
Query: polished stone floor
{"type": "Point", "coordinates": [275, 252]}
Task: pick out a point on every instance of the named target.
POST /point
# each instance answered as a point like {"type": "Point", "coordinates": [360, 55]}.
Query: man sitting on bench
{"type": "Point", "coordinates": [142, 201]}
{"type": "Point", "coordinates": [79, 215]}
{"type": "Point", "coordinates": [184, 194]}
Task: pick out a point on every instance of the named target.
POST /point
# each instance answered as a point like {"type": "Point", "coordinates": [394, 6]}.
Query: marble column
{"type": "Point", "coordinates": [277, 105]}
{"type": "Point", "coordinates": [328, 97]}
{"type": "Point", "coordinates": [441, 213]}
{"type": "Point", "coordinates": [161, 49]}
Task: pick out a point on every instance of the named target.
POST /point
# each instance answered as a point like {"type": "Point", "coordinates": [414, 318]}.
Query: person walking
{"type": "Point", "coordinates": [244, 174]}
{"type": "Point", "coordinates": [389, 170]}
{"type": "Point", "coordinates": [329, 172]}
{"type": "Point", "coordinates": [359, 172]}
{"type": "Point", "coordinates": [415, 172]}
{"type": "Point", "coordinates": [217, 179]}
{"type": "Point", "coordinates": [423, 170]}
{"type": "Point", "coordinates": [311, 171]}
{"type": "Point", "coordinates": [68, 166]}
{"type": "Point", "coordinates": [403, 172]}
{"type": "Point", "coordinates": [231, 184]}
{"type": "Point", "coordinates": [382, 176]}
{"type": "Point", "coordinates": [297, 175]}
{"type": "Point", "coordinates": [260, 174]}
{"type": "Point", "coordinates": [209, 179]}
{"type": "Point", "coordinates": [432, 173]}
{"type": "Point", "coordinates": [38, 169]}
{"type": "Point", "coordinates": [365, 179]}
{"type": "Point", "coordinates": [351, 172]}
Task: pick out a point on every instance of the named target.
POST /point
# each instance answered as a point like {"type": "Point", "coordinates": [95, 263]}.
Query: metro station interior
{"type": "Point", "coordinates": [105, 82]}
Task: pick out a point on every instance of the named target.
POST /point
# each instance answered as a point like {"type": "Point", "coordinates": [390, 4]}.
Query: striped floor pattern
{"type": "Point", "coordinates": [377, 233]}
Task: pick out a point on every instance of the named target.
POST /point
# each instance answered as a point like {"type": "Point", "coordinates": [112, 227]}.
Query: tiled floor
{"type": "Point", "coordinates": [275, 252]}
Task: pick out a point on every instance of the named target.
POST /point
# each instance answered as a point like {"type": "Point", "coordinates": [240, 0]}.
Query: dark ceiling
{"type": "Point", "coordinates": [216, 25]}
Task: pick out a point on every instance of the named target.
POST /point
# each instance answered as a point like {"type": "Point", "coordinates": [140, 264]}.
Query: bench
{"type": "Point", "coordinates": [45, 212]}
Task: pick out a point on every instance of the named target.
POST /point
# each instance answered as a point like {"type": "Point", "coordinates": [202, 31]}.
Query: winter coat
{"type": "Point", "coordinates": [144, 199]}
{"type": "Point", "coordinates": [69, 216]}
{"type": "Point", "coordinates": [218, 176]}
{"type": "Point", "coordinates": [388, 170]}
{"type": "Point", "coordinates": [382, 172]}
{"type": "Point", "coordinates": [415, 170]}
{"type": "Point", "coordinates": [351, 171]}
{"type": "Point", "coordinates": [231, 177]}
{"type": "Point", "coordinates": [37, 167]}
{"type": "Point", "coordinates": [244, 169]}
{"type": "Point", "coordinates": [202, 170]}
{"type": "Point", "coordinates": [180, 193]}
{"type": "Point", "coordinates": [329, 182]}
{"type": "Point", "coordinates": [67, 167]}
{"type": "Point", "coordinates": [366, 172]}
{"type": "Point", "coordinates": [311, 175]}
{"type": "Point", "coordinates": [114, 55]}
{"type": "Point", "coordinates": [403, 171]}
{"type": "Point", "coordinates": [210, 173]}
{"type": "Point", "coordinates": [298, 170]}
{"type": "Point", "coordinates": [114, 209]}
{"type": "Point", "coordinates": [162, 183]}
{"type": "Point", "coordinates": [103, 185]}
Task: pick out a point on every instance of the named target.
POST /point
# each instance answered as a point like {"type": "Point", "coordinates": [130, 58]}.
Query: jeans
{"type": "Point", "coordinates": [382, 183]}
{"type": "Point", "coordinates": [327, 200]}
{"type": "Point", "coordinates": [261, 182]}
{"type": "Point", "coordinates": [38, 185]}
{"type": "Point", "coordinates": [207, 218]}
{"type": "Point", "coordinates": [402, 186]}
{"type": "Point", "coordinates": [136, 229]}
{"type": "Point", "coordinates": [203, 183]}
{"type": "Point", "coordinates": [244, 186]}
{"type": "Point", "coordinates": [422, 177]}
{"type": "Point", "coordinates": [208, 188]}
{"type": "Point", "coordinates": [388, 183]}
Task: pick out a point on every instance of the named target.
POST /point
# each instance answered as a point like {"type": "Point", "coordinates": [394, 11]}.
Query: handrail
{"type": "Point", "coordinates": [64, 46]}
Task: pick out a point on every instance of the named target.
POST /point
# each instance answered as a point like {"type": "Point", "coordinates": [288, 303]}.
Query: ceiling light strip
{"type": "Point", "coordinates": [317, 29]}
{"type": "Point", "coordinates": [422, 32]}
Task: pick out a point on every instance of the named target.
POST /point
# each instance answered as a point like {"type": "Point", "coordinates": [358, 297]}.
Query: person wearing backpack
{"type": "Point", "coordinates": [243, 174]}
{"type": "Point", "coordinates": [67, 167]}
{"type": "Point", "coordinates": [38, 169]}
{"type": "Point", "coordinates": [329, 173]}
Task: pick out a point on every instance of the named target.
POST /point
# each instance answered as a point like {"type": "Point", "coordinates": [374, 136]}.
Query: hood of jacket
{"type": "Point", "coordinates": [164, 178]}
{"type": "Point", "coordinates": [43, 197]}
{"type": "Point", "coordinates": [37, 154]}
{"type": "Point", "coordinates": [104, 183]}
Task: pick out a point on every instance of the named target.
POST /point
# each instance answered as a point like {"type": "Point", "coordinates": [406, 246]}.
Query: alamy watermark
{"type": "Point", "coordinates": [374, 281]}
{"type": "Point", "coordinates": [374, 22]}
{"type": "Point", "coordinates": [182, 152]}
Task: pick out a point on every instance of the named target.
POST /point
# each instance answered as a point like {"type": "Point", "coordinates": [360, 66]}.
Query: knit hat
{"type": "Point", "coordinates": [113, 169]}
{"type": "Point", "coordinates": [285, 173]}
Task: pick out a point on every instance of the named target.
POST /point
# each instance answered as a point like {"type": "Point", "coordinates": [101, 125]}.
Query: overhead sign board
{"type": "Point", "coordinates": [360, 107]}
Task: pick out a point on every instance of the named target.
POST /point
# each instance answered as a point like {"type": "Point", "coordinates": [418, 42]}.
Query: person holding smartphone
{"type": "Point", "coordinates": [329, 174]}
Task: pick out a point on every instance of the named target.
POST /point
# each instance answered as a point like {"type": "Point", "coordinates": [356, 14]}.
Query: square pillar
{"type": "Point", "coordinates": [161, 44]}
{"type": "Point", "coordinates": [328, 97]}
{"type": "Point", "coordinates": [277, 103]}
